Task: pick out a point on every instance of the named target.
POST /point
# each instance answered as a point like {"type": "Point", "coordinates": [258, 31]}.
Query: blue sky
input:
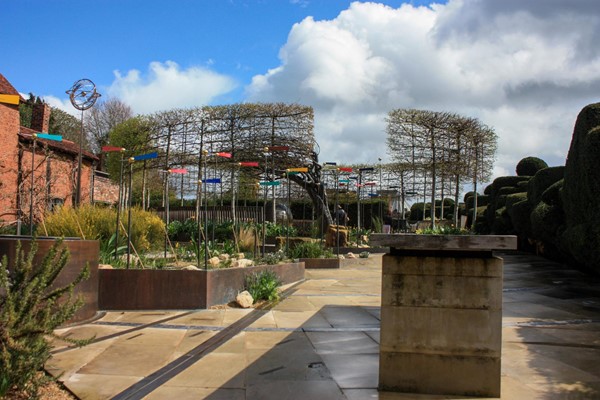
{"type": "Point", "coordinates": [523, 67]}
{"type": "Point", "coordinates": [56, 42]}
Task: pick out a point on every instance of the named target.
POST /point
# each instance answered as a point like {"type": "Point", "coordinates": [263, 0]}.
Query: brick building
{"type": "Point", "coordinates": [54, 165]}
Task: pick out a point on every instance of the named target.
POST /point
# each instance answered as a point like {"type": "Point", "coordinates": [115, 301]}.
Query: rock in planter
{"type": "Point", "coordinates": [331, 234]}
{"type": "Point", "coordinates": [214, 262]}
{"type": "Point", "coordinates": [224, 257]}
{"type": "Point", "coordinates": [191, 268]}
{"type": "Point", "coordinates": [350, 255]}
{"type": "Point", "coordinates": [242, 263]}
{"type": "Point", "coordinates": [244, 299]}
{"type": "Point", "coordinates": [105, 266]}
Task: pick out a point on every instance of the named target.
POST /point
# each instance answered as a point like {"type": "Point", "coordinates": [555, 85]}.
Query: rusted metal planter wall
{"type": "Point", "coordinates": [138, 289]}
{"type": "Point", "coordinates": [82, 252]}
{"type": "Point", "coordinates": [324, 263]}
{"type": "Point", "coordinates": [146, 289]}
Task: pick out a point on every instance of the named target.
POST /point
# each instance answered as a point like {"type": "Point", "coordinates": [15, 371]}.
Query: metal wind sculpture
{"type": "Point", "coordinates": [83, 95]}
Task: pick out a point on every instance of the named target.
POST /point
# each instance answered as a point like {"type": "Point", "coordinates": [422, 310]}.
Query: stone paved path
{"type": "Point", "coordinates": [321, 342]}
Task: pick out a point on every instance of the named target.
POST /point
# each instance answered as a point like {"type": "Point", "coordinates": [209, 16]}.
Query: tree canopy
{"type": "Point", "coordinates": [440, 147]}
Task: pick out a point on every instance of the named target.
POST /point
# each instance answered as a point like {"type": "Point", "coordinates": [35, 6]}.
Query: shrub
{"type": "Point", "coordinates": [467, 195]}
{"type": "Point", "coordinates": [519, 214]}
{"type": "Point", "coordinates": [147, 229]}
{"type": "Point", "coordinates": [553, 195]}
{"type": "Point", "coordinates": [482, 200]}
{"type": "Point", "coordinates": [309, 250]}
{"type": "Point", "coordinates": [541, 181]}
{"type": "Point", "coordinates": [507, 181]}
{"type": "Point", "coordinates": [263, 286]}
{"type": "Point", "coordinates": [30, 311]}
{"type": "Point", "coordinates": [87, 220]}
{"type": "Point", "coordinates": [529, 166]}
{"type": "Point", "coordinates": [273, 229]}
{"type": "Point", "coordinates": [581, 188]}
{"type": "Point", "coordinates": [511, 199]}
{"type": "Point", "coordinates": [547, 223]}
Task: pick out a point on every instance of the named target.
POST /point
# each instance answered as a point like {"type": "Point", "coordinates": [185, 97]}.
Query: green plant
{"type": "Point", "coordinates": [377, 224]}
{"type": "Point", "coordinates": [263, 286]}
{"type": "Point", "coordinates": [272, 258]}
{"type": "Point", "coordinates": [272, 229]}
{"type": "Point", "coordinates": [147, 229]}
{"type": "Point", "coordinates": [309, 250]}
{"type": "Point", "coordinates": [109, 251]}
{"type": "Point", "coordinates": [364, 254]}
{"type": "Point", "coordinates": [528, 166]}
{"type": "Point", "coordinates": [30, 310]}
{"type": "Point", "coordinates": [443, 230]}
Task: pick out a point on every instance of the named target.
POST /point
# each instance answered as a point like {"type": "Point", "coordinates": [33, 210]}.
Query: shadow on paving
{"type": "Point", "coordinates": [333, 352]}
{"type": "Point", "coordinates": [551, 327]}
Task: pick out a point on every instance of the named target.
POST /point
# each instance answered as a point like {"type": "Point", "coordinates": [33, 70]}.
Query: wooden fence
{"type": "Point", "coordinates": [217, 214]}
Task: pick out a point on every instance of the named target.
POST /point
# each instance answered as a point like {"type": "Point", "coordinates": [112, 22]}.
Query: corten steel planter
{"type": "Point", "coordinates": [145, 289]}
{"type": "Point", "coordinates": [81, 251]}
{"type": "Point", "coordinates": [331, 263]}
{"type": "Point", "coordinates": [441, 313]}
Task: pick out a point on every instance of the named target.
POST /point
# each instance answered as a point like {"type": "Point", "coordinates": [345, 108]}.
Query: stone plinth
{"type": "Point", "coordinates": [441, 314]}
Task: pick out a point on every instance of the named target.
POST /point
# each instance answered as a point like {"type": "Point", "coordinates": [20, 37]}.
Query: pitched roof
{"type": "Point", "coordinates": [7, 88]}
{"type": "Point", "coordinates": [66, 146]}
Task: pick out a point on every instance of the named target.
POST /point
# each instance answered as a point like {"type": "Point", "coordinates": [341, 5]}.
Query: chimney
{"type": "Point", "coordinates": [40, 117]}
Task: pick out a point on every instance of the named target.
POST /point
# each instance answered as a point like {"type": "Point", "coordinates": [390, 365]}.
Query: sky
{"type": "Point", "coordinates": [523, 67]}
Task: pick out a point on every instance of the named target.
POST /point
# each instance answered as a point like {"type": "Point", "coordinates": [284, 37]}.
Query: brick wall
{"type": "Point", "coordinates": [9, 128]}
{"type": "Point", "coordinates": [105, 191]}
{"type": "Point", "coordinates": [40, 117]}
{"type": "Point", "coordinates": [55, 180]}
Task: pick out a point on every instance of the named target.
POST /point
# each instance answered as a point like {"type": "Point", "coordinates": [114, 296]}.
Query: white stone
{"type": "Point", "coordinates": [105, 266]}
{"type": "Point", "coordinates": [244, 299]}
{"type": "Point", "coordinates": [350, 255]}
{"type": "Point", "coordinates": [214, 262]}
{"type": "Point", "coordinates": [224, 257]}
{"type": "Point", "coordinates": [244, 262]}
{"type": "Point", "coordinates": [191, 268]}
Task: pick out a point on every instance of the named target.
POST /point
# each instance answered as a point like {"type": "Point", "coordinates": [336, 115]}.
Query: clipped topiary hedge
{"type": "Point", "coordinates": [511, 199]}
{"type": "Point", "coordinates": [553, 195]}
{"type": "Point", "coordinates": [482, 200]}
{"type": "Point", "coordinates": [541, 181]}
{"type": "Point", "coordinates": [529, 166]}
{"type": "Point", "coordinates": [507, 181]}
{"type": "Point", "coordinates": [581, 189]}
{"type": "Point", "coordinates": [519, 214]}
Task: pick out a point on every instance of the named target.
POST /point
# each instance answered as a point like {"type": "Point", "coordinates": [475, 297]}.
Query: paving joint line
{"type": "Point", "coordinates": [153, 381]}
{"type": "Point", "coordinates": [117, 334]}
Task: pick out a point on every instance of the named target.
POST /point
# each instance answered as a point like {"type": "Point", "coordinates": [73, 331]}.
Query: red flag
{"type": "Point", "coordinates": [278, 148]}
{"type": "Point", "coordinates": [108, 149]}
{"type": "Point", "coordinates": [224, 154]}
{"type": "Point", "coordinates": [178, 171]}
{"type": "Point", "coordinates": [345, 169]}
{"type": "Point", "coordinates": [249, 164]}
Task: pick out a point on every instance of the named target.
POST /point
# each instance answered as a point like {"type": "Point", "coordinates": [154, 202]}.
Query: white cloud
{"type": "Point", "coordinates": [62, 104]}
{"type": "Point", "coordinates": [523, 69]}
{"type": "Point", "coordinates": [167, 86]}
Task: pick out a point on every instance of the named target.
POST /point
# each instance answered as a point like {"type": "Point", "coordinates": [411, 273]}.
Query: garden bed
{"type": "Point", "coordinates": [81, 252]}
{"type": "Point", "coordinates": [144, 289]}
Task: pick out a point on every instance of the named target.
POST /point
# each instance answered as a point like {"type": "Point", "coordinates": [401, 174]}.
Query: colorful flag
{"type": "Point", "coordinates": [249, 164]}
